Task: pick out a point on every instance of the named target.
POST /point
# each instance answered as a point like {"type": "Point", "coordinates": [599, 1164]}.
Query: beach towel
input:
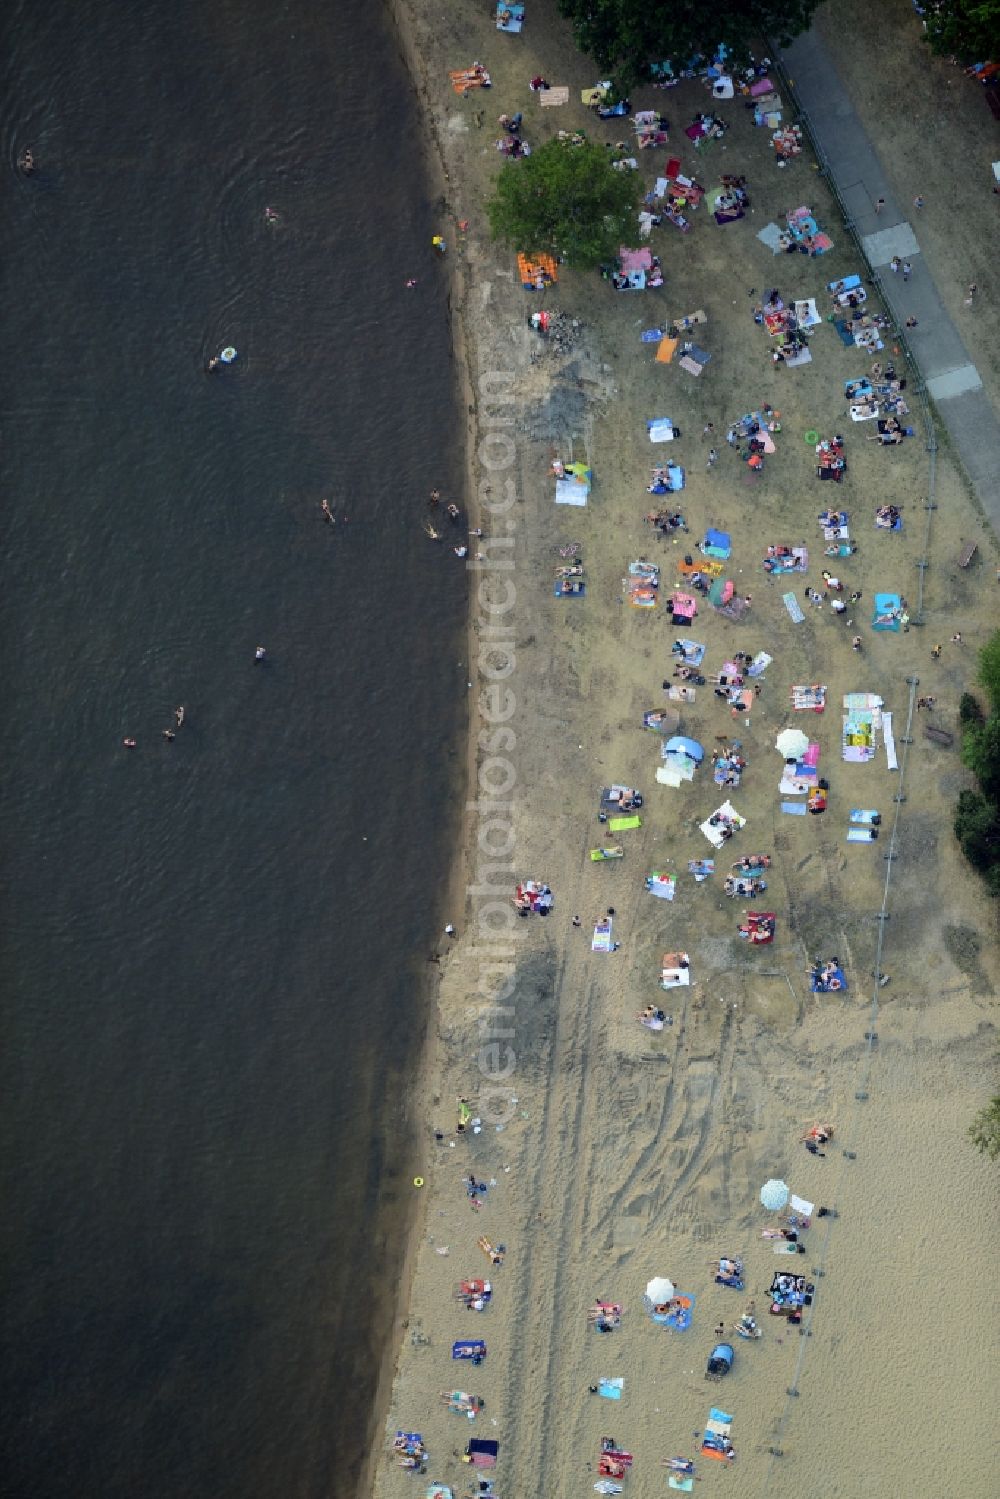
{"type": "Point", "coordinates": [536, 268]}
{"type": "Point", "coordinates": [661, 885]}
{"type": "Point", "coordinates": [806, 314]}
{"type": "Point", "coordinates": [794, 809]}
{"type": "Point", "coordinates": [770, 236]}
{"type": "Point", "coordinates": [666, 352]}
{"type": "Point", "coordinates": [691, 365]}
{"type": "Point", "coordinates": [685, 1485]}
{"type": "Point", "coordinates": [862, 835]}
{"type": "Point", "coordinates": [711, 830]}
{"type": "Point", "coordinates": [651, 335]}
{"type": "Point", "coordinates": [890, 742]}
{"type": "Point", "coordinates": [510, 17]}
{"type": "Point", "coordinates": [611, 1389]}
{"type": "Point", "coordinates": [841, 987]}
{"type": "Point", "coordinates": [571, 492]}
{"type": "Point", "coordinates": [693, 653]}
{"type": "Point", "coordinates": [675, 978]}
{"type": "Point", "coordinates": [791, 603]}
{"type": "Point", "coordinates": [716, 544]}
{"type": "Point", "coordinates": [635, 260]}
{"type": "Point", "coordinates": [660, 429]}
{"type": "Point", "coordinates": [800, 357]}
{"type": "Point", "coordinates": [601, 941]}
{"type": "Point", "coordinates": [551, 98]}
{"type": "Point", "coordinates": [469, 1348]}
{"type": "Point", "coordinates": [759, 664]}
{"type": "Point", "coordinates": [482, 1452]}
{"type": "Point", "coordinates": [624, 824]}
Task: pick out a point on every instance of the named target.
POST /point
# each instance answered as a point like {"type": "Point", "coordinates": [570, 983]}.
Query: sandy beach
{"type": "Point", "coordinates": [611, 1153]}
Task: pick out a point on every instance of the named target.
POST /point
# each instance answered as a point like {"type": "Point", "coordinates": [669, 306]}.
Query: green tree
{"type": "Point", "coordinates": [565, 200]}
{"type": "Point", "coordinates": [984, 1131]}
{"type": "Point", "coordinates": [625, 36]}
{"type": "Point", "coordinates": [970, 714]}
{"type": "Point", "coordinates": [964, 28]}
{"type": "Point", "coordinates": [981, 753]}
{"type": "Point", "coordinates": [989, 665]}
{"type": "Point", "coordinates": [977, 828]}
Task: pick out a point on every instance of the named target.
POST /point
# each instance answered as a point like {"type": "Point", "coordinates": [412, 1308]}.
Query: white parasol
{"type": "Point", "coordinates": [792, 743]}
{"type": "Point", "coordinates": [659, 1290]}
{"type": "Point", "coordinates": [774, 1195]}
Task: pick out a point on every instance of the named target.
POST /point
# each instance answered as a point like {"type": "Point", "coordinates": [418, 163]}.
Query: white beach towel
{"type": "Point", "coordinates": [890, 742]}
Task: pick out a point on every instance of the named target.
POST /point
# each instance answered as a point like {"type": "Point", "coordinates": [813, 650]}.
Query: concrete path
{"type": "Point", "coordinates": [952, 380]}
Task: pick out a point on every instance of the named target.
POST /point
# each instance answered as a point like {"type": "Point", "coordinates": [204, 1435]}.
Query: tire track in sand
{"type": "Point", "coordinates": [552, 1212]}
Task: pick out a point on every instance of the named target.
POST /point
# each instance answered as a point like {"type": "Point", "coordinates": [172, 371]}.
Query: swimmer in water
{"type": "Point", "coordinates": [412, 281]}
{"type": "Point", "coordinates": [270, 216]}
{"type": "Point", "coordinates": [129, 743]}
{"type": "Point", "coordinates": [260, 654]}
{"type": "Point", "coordinates": [26, 161]}
{"type": "Point", "coordinates": [169, 735]}
{"type": "Point", "coordinates": [327, 512]}
{"type": "Point", "coordinates": [213, 364]}
{"type": "Point", "coordinates": [179, 715]}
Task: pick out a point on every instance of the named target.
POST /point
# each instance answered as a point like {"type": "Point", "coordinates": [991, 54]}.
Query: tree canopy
{"type": "Point", "coordinates": [969, 29]}
{"type": "Point", "coordinates": [977, 816]}
{"type": "Point", "coordinates": [565, 200]}
{"type": "Point", "coordinates": [984, 1131]}
{"type": "Point", "coordinates": [625, 36]}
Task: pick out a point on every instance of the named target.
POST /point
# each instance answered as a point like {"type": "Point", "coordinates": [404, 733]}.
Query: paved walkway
{"type": "Point", "coordinates": [949, 374]}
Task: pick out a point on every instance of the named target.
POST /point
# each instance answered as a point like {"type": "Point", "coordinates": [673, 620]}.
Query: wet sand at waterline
{"type": "Point", "coordinates": [630, 1154]}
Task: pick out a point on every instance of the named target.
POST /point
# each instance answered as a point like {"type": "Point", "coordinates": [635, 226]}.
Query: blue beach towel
{"type": "Point", "coordinates": [795, 809]}
{"type": "Point", "coordinates": [611, 1389]}
{"type": "Point", "coordinates": [838, 973]}
{"type": "Point", "coordinates": [791, 603]}
{"type": "Point", "coordinates": [651, 335]}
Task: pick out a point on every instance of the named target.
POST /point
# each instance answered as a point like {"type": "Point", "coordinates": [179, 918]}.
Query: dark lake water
{"type": "Point", "coordinates": [213, 949]}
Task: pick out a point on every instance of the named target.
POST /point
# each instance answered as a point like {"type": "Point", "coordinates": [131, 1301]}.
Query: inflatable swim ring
{"type": "Point", "coordinates": [812, 438]}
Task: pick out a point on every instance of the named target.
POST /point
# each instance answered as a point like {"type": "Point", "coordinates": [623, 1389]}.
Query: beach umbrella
{"type": "Point", "coordinates": [792, 743]}
{"type": "Point", "coordinates": [659, 1290]}
{"type": "Point", "coordinates": [774, 1195]}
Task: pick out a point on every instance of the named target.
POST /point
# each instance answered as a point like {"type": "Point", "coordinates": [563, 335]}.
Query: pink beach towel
{"type": "Point", "coordinates": [635, 260]}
